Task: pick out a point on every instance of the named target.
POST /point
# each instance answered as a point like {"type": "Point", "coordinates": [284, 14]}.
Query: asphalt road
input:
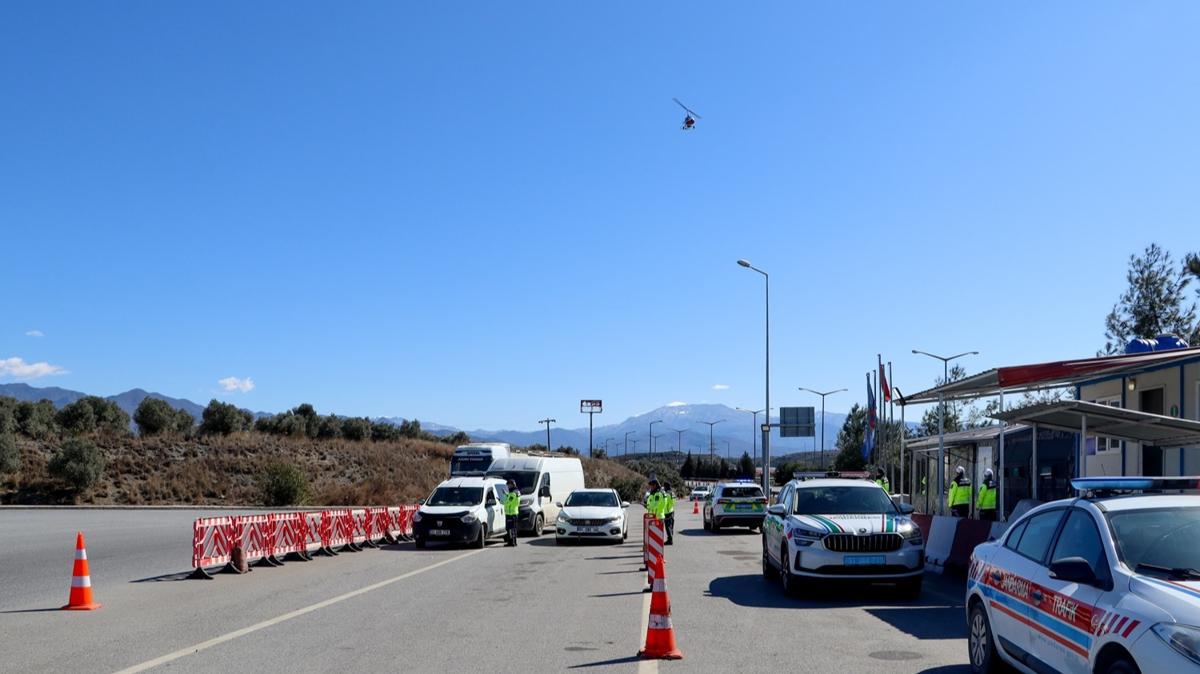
{"type": "Point", "coordinates": [539, 606]}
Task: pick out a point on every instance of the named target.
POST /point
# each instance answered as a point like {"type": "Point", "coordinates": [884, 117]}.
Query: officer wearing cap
{"type": "Point", "coordinates": [512, 512]}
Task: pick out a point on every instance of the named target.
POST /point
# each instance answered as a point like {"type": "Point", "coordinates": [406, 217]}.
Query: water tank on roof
{"type": "Point", "coordinates": [1168, 342]}
{"type": "Point", "coordinates": [1140, 345]}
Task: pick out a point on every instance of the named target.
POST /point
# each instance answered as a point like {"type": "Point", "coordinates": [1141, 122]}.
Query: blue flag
{"type": "Point", "coordinates": [869, 431]}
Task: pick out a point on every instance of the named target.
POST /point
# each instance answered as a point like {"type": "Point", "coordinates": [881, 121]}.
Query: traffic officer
{"type": "Point", "coordinates": [512, 512]}
{"type": "Point", "coordinates": [959, 498]}
{"type": "Point", "coordinates": [669, 516]}
{"type": "Point", "coordinates": [882, 481]}
{"type": "Point", "coordinates": [986, 502]}
{"type": "Point", "coordinates": [656, 501]}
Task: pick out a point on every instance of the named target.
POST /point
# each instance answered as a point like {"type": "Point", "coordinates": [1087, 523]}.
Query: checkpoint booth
{"type": "Point", "coordinates": [1132, 414]}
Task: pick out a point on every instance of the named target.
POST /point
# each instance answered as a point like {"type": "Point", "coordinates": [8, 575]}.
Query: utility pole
{"type": "Point", "coordinates": [826, 393]}
{"type": "Point", "coordinates": [651, 434]}
{"type": "Point", "coordinates": [606, 454]}
{"type": "Point", "coordinates": [627, 434]}
{"type": "Point", "coordinates": [547, 422]}
{"type": "Point", "coordinates": [679, 438]}
{"type": "Point", "coordinates": [766, 483]}
{"type": "Point", "coordinates": [710, 435]}
{"type": "Point", "coordinates": [941, 468]}
{"type": "Point", "coordinates": [753, 430]}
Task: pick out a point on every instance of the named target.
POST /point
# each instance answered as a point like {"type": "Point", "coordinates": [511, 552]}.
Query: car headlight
{"type": "Point", "coordinates": [564, 519]}
{"type": "Point", "coordinates": [910, 532]}
{"type": "Point", "coordinates": [805, 538]}
{"type": "Point", "coordinates": [613, 520]}
{"type": "Point", "coordinates": [1183, 638]}
{"type": "Point", "coordinates": [417, 516]}
{"type": "Point", "coordinates": [469, 519]}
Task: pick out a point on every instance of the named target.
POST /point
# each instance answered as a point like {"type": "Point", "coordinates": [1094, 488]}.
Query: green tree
{"type": "Point", "coordinates": [76, 418]}
{"type": "Point", "coordinates": [746, 466]}
{"type": "Point", "coordinates": [78, 463]}
{"type": "Point", "coordinates": [36, 420]}
{"type": "Point", "coordinates": [10, 454]}
{"type": "Point", "coordinates": [535, 447]}
{"type": "Point", "coordinates": [154, 416]}
{"type": "Point", "coordinates": [224, 418]}
{"type": "Point", "coordinates": [92, 413]}
{"type": "Point", "coordinates": [410, 428]}
{"type": "Point", "coordinates": [1153, 304]}
{"type": "Point", "coordinates": [308, 414]}
{"type": "Point", "coordinates": [567, 450]}
{"type": "Point", "coordinates": [329, 427]}
{"type": "Point", "coordinates": [954, 410]}
{"type": "Point", "coordinates": [283, 485]}
{"type": "Point", "coordinates": [688, 470]}
{"type": "Point", "coordinates": [456, 438]}
{"type": "Point", "coordinates": [356, 428]}
{"type": "Point", "coordinates": [850, 440]}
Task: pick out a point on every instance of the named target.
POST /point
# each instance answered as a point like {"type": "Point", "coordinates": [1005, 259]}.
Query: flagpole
{"type": "Point", "coordinates": [892, 421]}
{"type": "Point", "coordinates": [881, 424]}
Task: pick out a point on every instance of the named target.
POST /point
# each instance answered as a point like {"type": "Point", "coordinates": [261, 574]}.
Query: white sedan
{"type": "Point", "coordinates": [597, 514]}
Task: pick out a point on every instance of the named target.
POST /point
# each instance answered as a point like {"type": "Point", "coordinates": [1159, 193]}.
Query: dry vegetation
{"type": "Point", "coordinates": [162, 470]}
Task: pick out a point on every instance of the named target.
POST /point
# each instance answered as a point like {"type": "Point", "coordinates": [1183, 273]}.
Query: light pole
{"type": "Point", "coordinates": [827, 393]}
{"type": "Point", "coordinates": [606, 454]}
{"type": "Point", "coordinates": [942, 421]}
{"type": "Point", "coordinates": [679, 438]}
{"type": "Point", "coordinates": [710, 434]}
{"type": "Point", "coordinates": [654, 441]}
{"type": "Point", "coordinates": [547, 422]}
{"type": "Point", "coordinates": [728, 451]}
{"type": "Point", "coordinates": [651, 434]}
{"type": "Point", "coordinates": [767, 435]}
{"type": "Point", "coordinates": [754, 429]}
{"type": "Point", "coordinates": [627, 434]}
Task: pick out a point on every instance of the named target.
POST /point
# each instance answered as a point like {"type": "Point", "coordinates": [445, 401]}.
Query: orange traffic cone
{"type": "Point", "coordinates": [695, 507]}
{"type": "Point", "coordinates": [660, 635]}
{"type": "Point", "coordinates": [81, 580]}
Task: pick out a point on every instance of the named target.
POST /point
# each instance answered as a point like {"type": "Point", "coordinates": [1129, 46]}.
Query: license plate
{"type": "Point", "coordinates": [873, 560]}
{"type": "Point", "coordinates": [439, 532]}
{"type": "Point", "coordinates": [746, 507]}
{"type": "Point", "coordinates": [589, 530]}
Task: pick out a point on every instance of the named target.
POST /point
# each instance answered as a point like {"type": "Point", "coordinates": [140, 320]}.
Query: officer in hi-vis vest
{"type": "Point", "coordinates": [512, 512]}
{"type": "Point", "coordinates": [986, 502]}
{"type": "Point", "coordinates": [959, 498]}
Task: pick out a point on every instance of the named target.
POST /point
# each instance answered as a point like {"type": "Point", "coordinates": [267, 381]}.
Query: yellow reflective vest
{"type": "Point", "coordinates": [987, 497]}
{"type": "Point", "coordinates": [512, 504]}
{"type": "Point", "coordinates": [960, 494]}
{"type": "Point", "coordinates": [883, 482]}
{"type": "Point", "coordinates": [657, 504]}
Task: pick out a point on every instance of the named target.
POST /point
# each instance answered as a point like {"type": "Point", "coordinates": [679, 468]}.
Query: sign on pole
{"type": "Point", "coordinates": [591, 407]}
{"type": "Point", "coordinates": [797, 422]}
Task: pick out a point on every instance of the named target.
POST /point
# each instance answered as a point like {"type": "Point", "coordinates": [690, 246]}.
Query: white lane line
{"type": "Point", "coordinates": [170, 657]}
{"type": "Point", "coordinates": [646, 666]}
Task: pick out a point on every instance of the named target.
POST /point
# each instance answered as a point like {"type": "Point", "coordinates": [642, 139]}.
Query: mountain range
{"type": "Point", "coordinates": [733, 431]}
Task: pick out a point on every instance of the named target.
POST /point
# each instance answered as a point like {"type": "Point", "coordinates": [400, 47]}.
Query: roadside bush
{"type": "Point", "coordinates": [76, 418]}
{"type": "Point", "coordinates": [36, 420]}
{"type": "Point", "coordinates": [10, 456]}
{"type": "Point", "coordinates": [78, 463]}
{"type": "Point", "coordinates": [154, 416]}
{"type": "Point", "coordinates": [283, 485]}
{"type": "Point", "coordinates": [356, 428]}
{"type": "Point", "coordinates": [223, 418]}
{"type": "Point", "coordinates": [630, 488]}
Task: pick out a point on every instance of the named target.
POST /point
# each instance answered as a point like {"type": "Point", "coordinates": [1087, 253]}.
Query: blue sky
{"type": "Point", "coordinates": [479, 214]}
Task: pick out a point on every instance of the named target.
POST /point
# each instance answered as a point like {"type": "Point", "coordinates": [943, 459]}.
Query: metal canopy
{"type": "Point", "coordinates": [1055, 374]}
{"type": "Point", "coordinates": [1102, 420]}
{"type": "Point", "coordinates": [971, 436]}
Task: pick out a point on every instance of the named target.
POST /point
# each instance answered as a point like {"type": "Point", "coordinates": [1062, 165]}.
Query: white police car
{"type": "Point", "coordinates": [1106, 583]}
{"type": "Point", "coordinates": [827, 529]}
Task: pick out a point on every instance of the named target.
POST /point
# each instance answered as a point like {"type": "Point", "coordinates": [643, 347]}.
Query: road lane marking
{"type": "Point", "coordinates": [237, 634]}
{"type": "Point", "coordinates": [646, 666]}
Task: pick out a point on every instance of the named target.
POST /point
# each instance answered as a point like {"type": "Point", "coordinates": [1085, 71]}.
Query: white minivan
{"type": "Point", "coordinates": [544, 481]}
{"type": "Point", "coordinates": [462, 510]}
{"type": "Point", "coordinates": [474, 459]}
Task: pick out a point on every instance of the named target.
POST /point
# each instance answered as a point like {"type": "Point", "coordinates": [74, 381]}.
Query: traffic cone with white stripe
{"type": "Point", "coordinates": [81, 580]}
{"type": "Point", "coordinates": [660, 635]}
{"type": "Point", "coordinates": [695, 507]}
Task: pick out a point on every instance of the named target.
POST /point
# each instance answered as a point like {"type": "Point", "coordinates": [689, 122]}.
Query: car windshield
{"type": "Point", "coordinates": [1161, 541]}
{"type": "Point", "coordinates": [469, 465]}
{"type": "Point", "coordinates": [741, 492]}
{"type": "Point", "coordinates": [455, 496]}
{"type": "Point", "coordinates": [526, 479]}
{"type": "Point", "coordinates": [842, 501]}
{"type": "Point", "coordinates": [599, 499]}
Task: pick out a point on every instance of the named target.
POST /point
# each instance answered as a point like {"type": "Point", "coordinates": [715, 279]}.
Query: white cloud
{"type": "Point", "coordinates": [720, 387]}
{"type": "Point", "coordinates": [676, 404]}
{"type": "Point", "coordinates": [34, 333]}
{"type": "Point", "coordinates": [17, 368]}
{"type": "Point", "coordinates": [232, 384]}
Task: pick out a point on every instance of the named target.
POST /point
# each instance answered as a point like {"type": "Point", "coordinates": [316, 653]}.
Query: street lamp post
{"type": "Point", "coordinates": [547, 422]}
{"type": "Point", "coordinates": [710, 435]}
{"type": "Point", "coordinates": [627, 434]}
{"type": "Point", "coordinates": [822, 418]}
{"type": "Point", "coordinates": [754, 429]}
{"type": "Point", "coordinates": [606, 454]}
{"type": "Point", "coordinates": [941, 482]}
{"type": "Point", "coordinates": [767, 406]}
{"type": "Point", "coordinates": [654, 440]}
{"type": "Point", "coordinates": [651, 434]}
{"type": "Point", "coordinates": [679, 438]}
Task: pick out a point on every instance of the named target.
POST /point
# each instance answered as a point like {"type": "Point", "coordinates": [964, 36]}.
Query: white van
{"type": "Point", "coordinates": [543, 481]}
{"type": "Point", "coordinates": [474, 459]}
{"type": "Point", "coordinates": [462, 510]}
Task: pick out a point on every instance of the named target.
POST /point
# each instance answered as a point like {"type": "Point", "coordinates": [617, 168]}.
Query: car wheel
{"type": "Point", "coordinates": [420, 543]}
{"type": "Point", "coordinates": [769, 571]}
{"type": "Point", "coordinates": [538, 525]}
{"type": "Point", "coordinates": [1122, 666]}
{"type": "Point", "coordinates": [910, 588]}
{"type": "Point", "coordinates": [707, 525]}
{"type": "Point", "coordinates": [482, 540]}
{"type": "Point", "coordinates": [789, 583]}
{"type": "Point", "coordinates": [981, 648]}
{"type": "Point", "coordinates": [625, 535]}
{"type": "Point", "coordinates": [715, 526]}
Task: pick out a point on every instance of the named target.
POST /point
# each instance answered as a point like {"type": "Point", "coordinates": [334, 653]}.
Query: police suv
{"type": "Point", "coordinates": [1106, 583]}
{"type": "Point", "coordinates": [734, 504]}
{"type": "Point", "coordinates": [826, 529]}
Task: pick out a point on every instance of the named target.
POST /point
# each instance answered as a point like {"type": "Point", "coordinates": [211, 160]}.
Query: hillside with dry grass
{"type": "Point", "coordinates": [228, 470]}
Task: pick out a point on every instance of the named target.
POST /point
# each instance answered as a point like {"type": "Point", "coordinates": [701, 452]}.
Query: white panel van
{"type": "Point", "coordinates": [543, 482]}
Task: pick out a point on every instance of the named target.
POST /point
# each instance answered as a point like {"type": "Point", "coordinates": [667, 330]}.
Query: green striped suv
{"type": "Point", "coordinates": [836, 529]}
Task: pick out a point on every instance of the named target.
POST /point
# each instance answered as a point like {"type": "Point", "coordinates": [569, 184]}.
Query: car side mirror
{"type": "Point", "coordinates": [1074, 570]}
{"type": "Point", "coordinates": [624, 504]}
{"type": "Point", "coordinates": [545, 492]}
{"type": "Point", "coordinates": [420, 501]}
{"type": "Point", "coordinates": [778, 509]}
{"type": "Point", "coordinates": [558, 504]}
{"type": "Point", "coordinates": [907, 509]}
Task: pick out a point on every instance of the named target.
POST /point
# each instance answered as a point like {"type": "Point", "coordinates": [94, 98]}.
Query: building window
{"type": "Point", "coordinates": [1105, 444]}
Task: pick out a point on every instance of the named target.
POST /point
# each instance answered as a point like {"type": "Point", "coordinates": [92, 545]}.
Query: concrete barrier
{"type": "Point", "coordinates": [939, 542]}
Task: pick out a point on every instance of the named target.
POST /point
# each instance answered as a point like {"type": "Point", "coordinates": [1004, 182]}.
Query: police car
{"type": "Point", "coordinates": [1106, 583]}
{"type": "Point", "coordinates": [737, 504]}
{"type": "Point", "coordinates": [834, 528]}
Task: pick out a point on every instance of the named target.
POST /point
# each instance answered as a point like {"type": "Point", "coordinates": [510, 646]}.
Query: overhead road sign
{"type": "Point", "coordinates": [797, 422]}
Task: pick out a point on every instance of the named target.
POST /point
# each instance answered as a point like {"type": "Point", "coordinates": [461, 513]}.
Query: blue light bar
{"type": "Point", "coordinates": [1134, 483]}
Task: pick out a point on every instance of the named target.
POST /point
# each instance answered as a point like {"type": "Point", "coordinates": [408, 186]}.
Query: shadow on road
{"type": "Point", "coordinates": [932, 622]}
{"type": "Point", "coordinates": [752, 590]}
{"type": "Point", "coordinates": [947, 669]}
{"type": "Point", "coordinates": [722, 532]}
{"type": "Point", "coordinates": [182, 575]}
{"type": "Point", "coordinates": [606, 663]}
{"type": "Point", "coordinates": [42, 610]}
{"type": "Point", "coordinates": [617, 594]}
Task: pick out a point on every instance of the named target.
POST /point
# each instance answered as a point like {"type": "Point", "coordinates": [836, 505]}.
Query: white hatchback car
{"type": "Point", "coordinates": [1108, 583]}
{"type": "Point", "coordinates": [592, 513]}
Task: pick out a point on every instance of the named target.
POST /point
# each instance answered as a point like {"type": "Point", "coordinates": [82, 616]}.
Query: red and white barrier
{"type": "Point", "coordinates": [270, 539]}
{"type": "Point", "coordinates": [656, 534]}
